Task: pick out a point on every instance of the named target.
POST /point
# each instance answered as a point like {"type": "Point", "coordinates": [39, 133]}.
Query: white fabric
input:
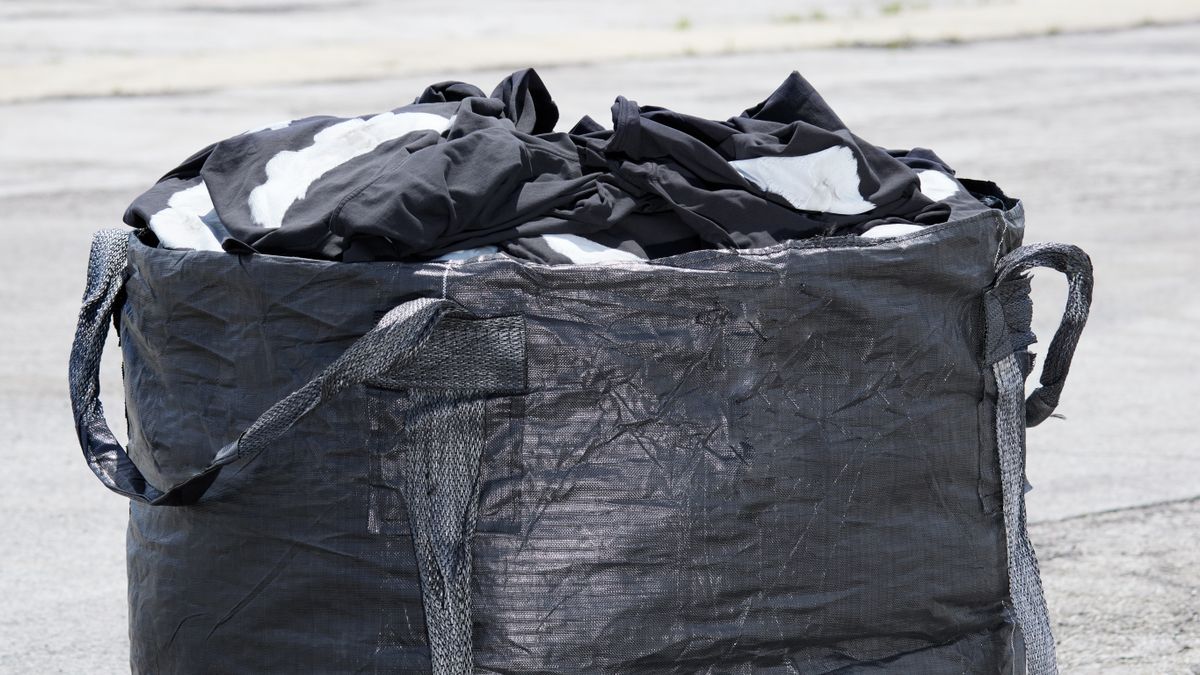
{"type": "Point", "coordinates": [825, 181]}
{"type": "Point", "coordinates": [291, 172]}
{"type": "Point", "coordinates": [580, 250]}
{"type": "Point", "coordinates": [466, 254]}
{"type": "Point", "coordinates": [936, 185]}
{"type": "Point", "coordinates": [891, 230]}
{"type": "Point", "coordinates": [180, 225]}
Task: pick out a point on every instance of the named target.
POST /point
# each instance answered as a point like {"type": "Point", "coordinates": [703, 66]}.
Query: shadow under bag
{"type": "Point", "coordinates": [807, 458]}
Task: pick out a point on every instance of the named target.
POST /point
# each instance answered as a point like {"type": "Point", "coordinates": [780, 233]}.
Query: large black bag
{"type": "Point", "coordinates": [801, 459]}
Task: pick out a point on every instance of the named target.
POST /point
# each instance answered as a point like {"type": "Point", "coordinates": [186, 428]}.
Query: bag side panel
{"type": "Point", "coordinates": [772, 463]}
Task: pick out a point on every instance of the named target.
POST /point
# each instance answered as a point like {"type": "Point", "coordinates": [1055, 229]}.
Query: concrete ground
{"type": "Point", "coordinates": [67, 48]}
{"type": "Point", "coordinates": [1096, 132]}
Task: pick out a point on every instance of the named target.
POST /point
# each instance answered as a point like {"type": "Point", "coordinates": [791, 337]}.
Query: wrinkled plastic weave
{"type": "Point", "coordinates": [807, 458]}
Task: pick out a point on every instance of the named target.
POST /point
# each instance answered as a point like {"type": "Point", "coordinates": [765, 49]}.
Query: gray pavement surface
{"type": "Point", "coordinates": [1122, 589]}
{"type": "Point", "coordinates": [1097, 133]}
{"type": "Point", "coordinates": [73, 49]}
{"type": "Point", "coordinates": [45, 31]}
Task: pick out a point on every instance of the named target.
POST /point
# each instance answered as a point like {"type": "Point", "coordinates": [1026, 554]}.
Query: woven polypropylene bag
{"type": "Point", "coordinates": [797, 459]}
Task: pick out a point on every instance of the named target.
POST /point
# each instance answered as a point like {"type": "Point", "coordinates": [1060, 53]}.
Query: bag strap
{"type": "Point", "coordinates": [395, 340]}
{"type": "Point", "coordinates": [1072, 262]}
{"type": "Point", "coordinates": [1014, 413]}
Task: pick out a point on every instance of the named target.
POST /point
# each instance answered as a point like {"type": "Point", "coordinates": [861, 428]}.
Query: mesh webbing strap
{"type": "Point", "coordinates": [1025, 582]}
{"type": "Point", "coordinates": [394, 341]}
{"type": "Point", "coordinates": [1077, 267]}
{"type": "Point", "coordinates": [434, 463]}
{"type": "Point", "coordinates": [431, 437]}
{"type": "Point", "coordinates": [443, 426]}
{"type": "Point", "coordinates": [1004, 351]}
{"type": "Point", "coordinates": [439, 478]}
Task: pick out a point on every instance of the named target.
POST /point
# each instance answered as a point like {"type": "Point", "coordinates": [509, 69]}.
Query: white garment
{"type": "Point", "coordinates": [466, 254]}
{"type": "Point", "coordinates": [583, 251]}
{"type": "Point", "coordinates": [825, 181]}
{"type": "Point", "coordinates": [291, 172]}
{"type": "Point", "coordinates": [891, 230]}
{"type": "Point", "coordinates": [936, 185]}
{"type": "Point", "coordinates": [181, 224]}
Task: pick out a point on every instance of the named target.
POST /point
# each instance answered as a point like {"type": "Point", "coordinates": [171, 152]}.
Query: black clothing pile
{"type": "Point", "coordinates": [458, 170]}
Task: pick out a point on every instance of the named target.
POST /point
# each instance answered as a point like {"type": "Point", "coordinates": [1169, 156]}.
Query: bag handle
{"type": "Point", "coordinates": [395, 340]}
{"type": "Point", "coordinates": [1072, 262]}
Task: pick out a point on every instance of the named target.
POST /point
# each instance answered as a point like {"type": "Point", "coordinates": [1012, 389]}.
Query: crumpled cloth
{"type": "Point", "coordinates": [458, 170]}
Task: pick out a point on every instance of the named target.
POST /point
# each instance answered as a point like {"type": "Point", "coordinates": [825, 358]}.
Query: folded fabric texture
{"type": "Point", "coordinates": [458, 173]}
